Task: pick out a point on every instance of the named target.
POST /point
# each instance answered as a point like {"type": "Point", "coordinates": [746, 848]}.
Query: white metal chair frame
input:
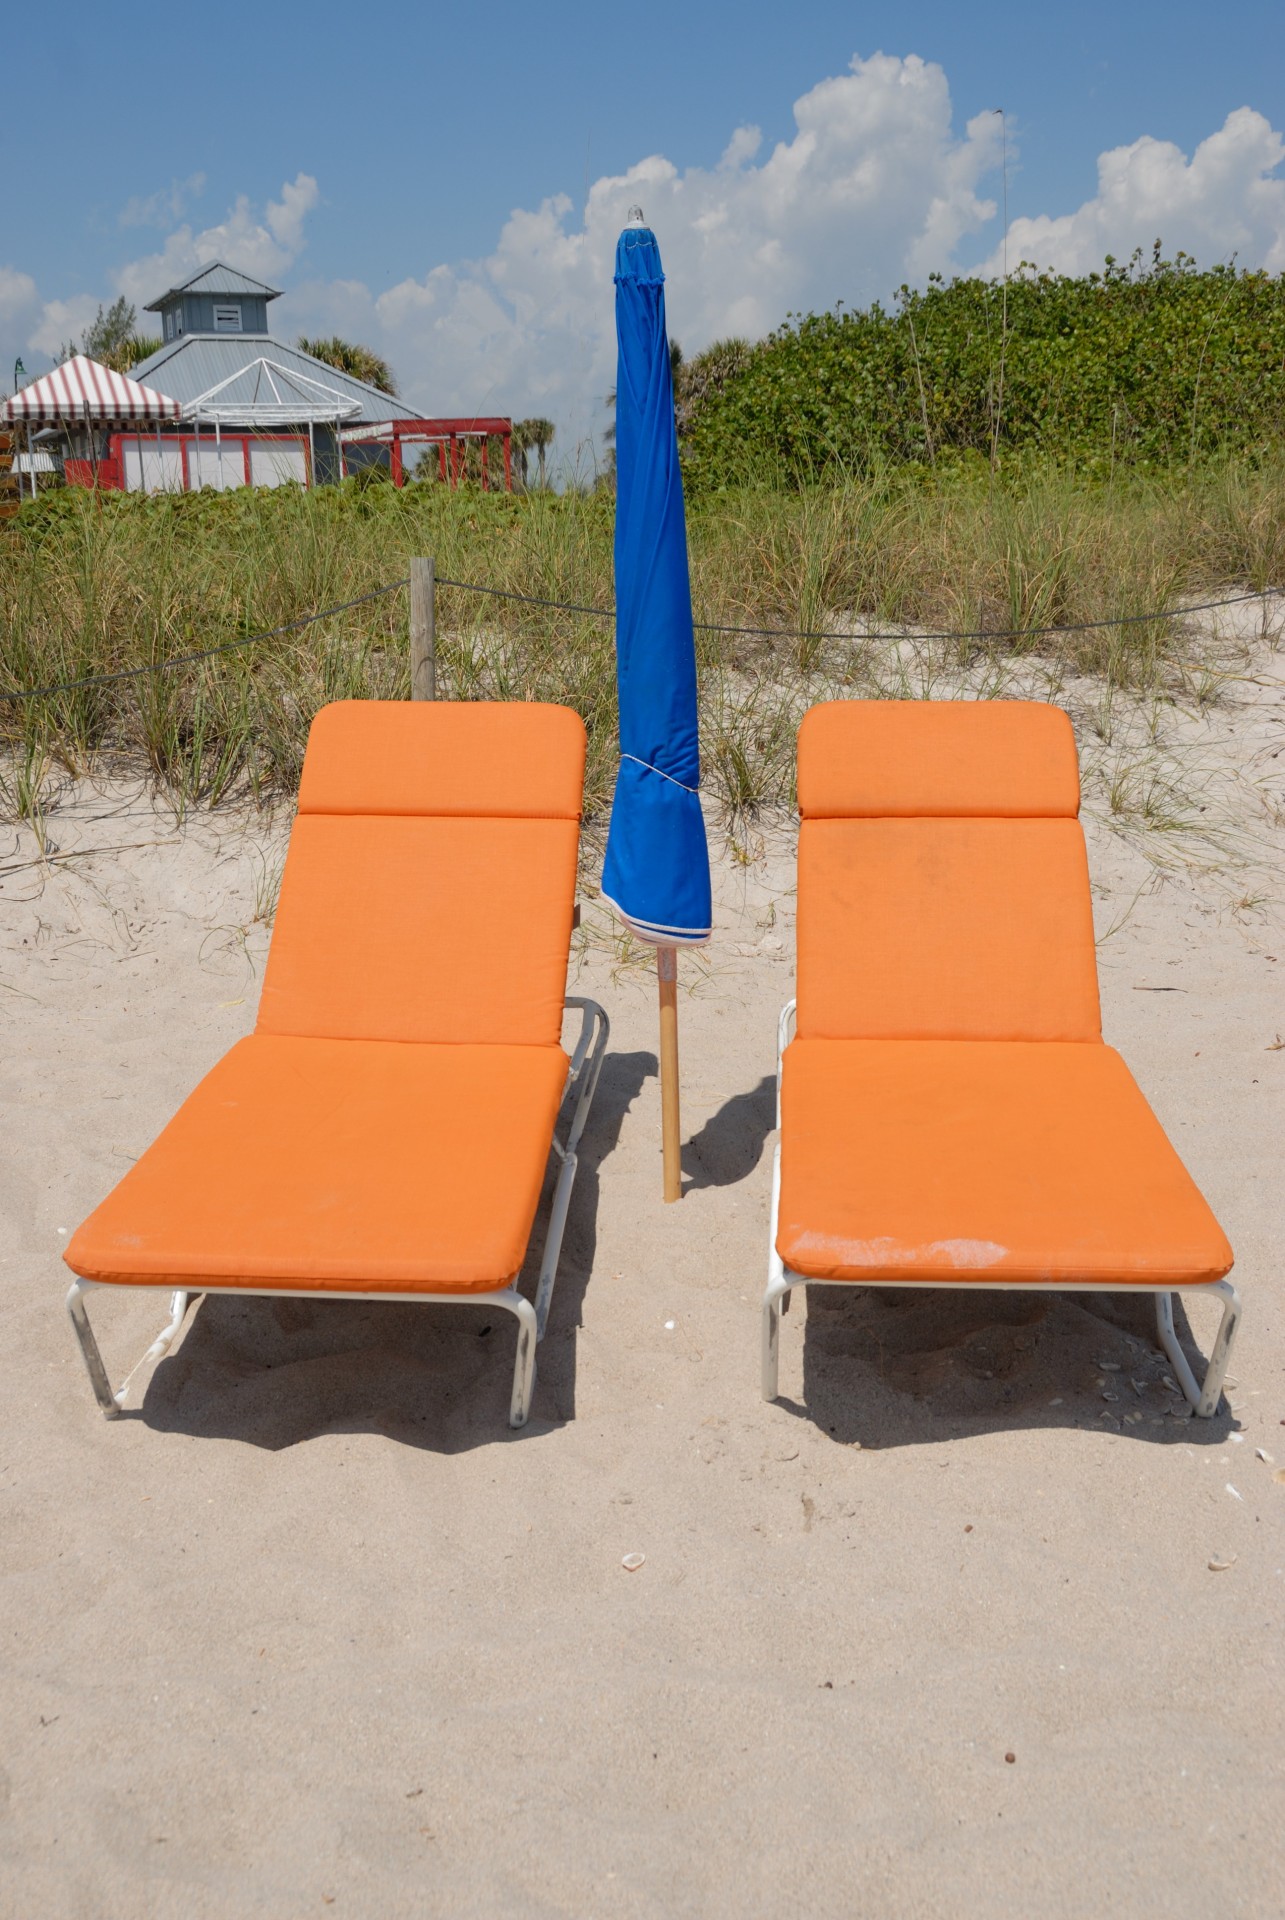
{"type": "Point", "coordinates": [781, 1279]}
{"type": "Point", "coordinates": [582, 1081]}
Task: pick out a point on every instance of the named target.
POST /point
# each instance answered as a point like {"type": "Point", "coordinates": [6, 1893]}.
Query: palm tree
{"type": "Point", "coordinates": [532, 433]}
{"type": "Point", "coordinates": [519, 448]}
{"type": "Point", "coordinates": [350, 357]}
{"type": "Point", "coordinates": [139, 346]}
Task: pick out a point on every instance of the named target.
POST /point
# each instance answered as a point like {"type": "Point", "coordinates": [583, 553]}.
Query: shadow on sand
{"type": "Point", "coordinates": [275, 1372]}
{"type": "Point", "coordinates": [730, 1144]}
{"type": "Point", "coordinates": [894, 1366]}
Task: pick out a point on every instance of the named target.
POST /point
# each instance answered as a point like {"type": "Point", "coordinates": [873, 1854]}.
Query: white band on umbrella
{"type": "Point", "coordinates": [661, 771]}
{"type": "Point", "coordinates": [654, 934]}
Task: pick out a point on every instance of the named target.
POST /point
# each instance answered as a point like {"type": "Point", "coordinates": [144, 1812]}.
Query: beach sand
{"type": "Point", "coordinates": [310, 1631]}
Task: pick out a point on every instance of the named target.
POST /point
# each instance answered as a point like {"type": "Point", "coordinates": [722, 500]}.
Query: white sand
{"type": "Point", "coordinates": [310, 1631]}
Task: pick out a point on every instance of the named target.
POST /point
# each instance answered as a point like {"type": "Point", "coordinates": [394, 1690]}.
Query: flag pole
{"type": "Point", "coordinates": [670, 1130]}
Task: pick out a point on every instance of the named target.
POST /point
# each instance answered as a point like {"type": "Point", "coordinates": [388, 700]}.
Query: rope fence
{"type": "Point", "coordinates": [828, 633]}
{"type": "Point", "coordinates": [205, 653]}
{"type": "Point", "coordinates": [18, 696]}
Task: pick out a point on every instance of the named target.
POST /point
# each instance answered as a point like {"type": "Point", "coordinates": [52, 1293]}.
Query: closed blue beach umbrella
{"type": "Point", "coordinates": [656, 873]}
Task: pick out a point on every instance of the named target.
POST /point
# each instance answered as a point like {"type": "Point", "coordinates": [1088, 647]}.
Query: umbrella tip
{"type": "Point", "coordinates": [636, 218]}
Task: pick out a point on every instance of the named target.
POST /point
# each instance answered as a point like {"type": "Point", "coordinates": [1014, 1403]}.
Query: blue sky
{"type": "Point", "coordinates": [372, 162]}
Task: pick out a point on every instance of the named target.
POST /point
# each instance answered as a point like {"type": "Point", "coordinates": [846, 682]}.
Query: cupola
{"type": "Point", "coordinates": [216, 300]}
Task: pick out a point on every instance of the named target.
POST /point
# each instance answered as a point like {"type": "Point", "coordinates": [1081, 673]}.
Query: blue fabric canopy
{"type": "Point", "coordinates": [656, 873]}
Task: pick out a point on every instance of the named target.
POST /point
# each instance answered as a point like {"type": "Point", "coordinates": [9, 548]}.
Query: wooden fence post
{"type": "Point", "coordinates": [423, 631]}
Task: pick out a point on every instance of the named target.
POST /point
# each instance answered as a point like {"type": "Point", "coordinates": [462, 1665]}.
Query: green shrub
{"type": "Point", "coordinates": [1151, 365]}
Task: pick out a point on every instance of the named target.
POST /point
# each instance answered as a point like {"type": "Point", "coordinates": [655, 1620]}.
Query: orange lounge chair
{"type": "Point", "coordinates": [384, 1132]}
{"type": "Point", "coordinates": [949, 1113]}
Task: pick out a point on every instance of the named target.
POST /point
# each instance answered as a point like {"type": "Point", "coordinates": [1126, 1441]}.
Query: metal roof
{"type": "Point", "coordinates": [187, 369]}
{"type": "Point", "coordinates": [39, 460]}
{"type": "Point", "coordinates": [217, 277]}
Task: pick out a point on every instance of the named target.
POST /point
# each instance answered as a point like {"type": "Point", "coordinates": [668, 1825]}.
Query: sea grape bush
{"type": "Point", "coordinates": [1149, 364]}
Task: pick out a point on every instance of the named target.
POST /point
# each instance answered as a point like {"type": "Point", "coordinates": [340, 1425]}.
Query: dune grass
{"type": "Point", "coordinates": [92, 586]}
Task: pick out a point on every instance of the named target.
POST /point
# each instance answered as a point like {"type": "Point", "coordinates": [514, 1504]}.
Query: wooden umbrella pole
{"type": "Point", "coordinates": [667, 974]}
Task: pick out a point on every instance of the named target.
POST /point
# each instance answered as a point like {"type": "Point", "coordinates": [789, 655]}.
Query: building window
{"type": "Point", "coordinates": [227, 319]}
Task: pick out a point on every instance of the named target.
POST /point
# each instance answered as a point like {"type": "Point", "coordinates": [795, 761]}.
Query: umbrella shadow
{"type": "Point", "coordinates": [730, 1144]}
{"type": "Point", "coordinates": [272, 1373]}
{"type": "Point", "coordinates": [899, 1366]}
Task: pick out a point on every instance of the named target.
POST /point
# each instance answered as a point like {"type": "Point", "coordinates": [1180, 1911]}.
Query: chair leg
{"type": "Point", "coordinates": [553, 1243]}
{"type": "Point", "coordinates": [586, 1067]}
{"type": "Point", "coordinates": [774, 1301]}
{"type": "Point", "coordinates": [89, 1350]}
{"type": "Point", "coordinates": [777, 1296]}
{"type": "Point", "coordinates": [112, 1402]}
{"type": "Point", "coordinates": [1203, 1398]}
{"type": "Point", "coordinates": [586, 1062]}
{"type": "Point", "coordinates": [524, 1364]}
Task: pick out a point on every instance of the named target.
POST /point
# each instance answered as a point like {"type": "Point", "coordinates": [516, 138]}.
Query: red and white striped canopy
{"type": "Point", "coordinates": [81, 390]}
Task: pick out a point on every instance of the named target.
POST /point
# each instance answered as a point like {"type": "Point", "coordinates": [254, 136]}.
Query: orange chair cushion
{"type": "Point", "coordinates": [950, 1161]}
{"type": "Point", "coordinates": [338, 1164]}
{"type": "Point", "coordinates": [865, 759]}
{"type": "Point", "coordinates": [422, 928]}
{"type": "Point", "coordinates": [945, 929]}
{"type": "Point", "coordinates": [520, 759]}
{"type": "Point", "coordinates": [430, 882]}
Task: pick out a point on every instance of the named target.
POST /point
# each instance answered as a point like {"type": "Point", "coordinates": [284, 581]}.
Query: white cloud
{"type": "Point", "coordinates": [873, 187]}
{"type": "Point", "coordinates": [285, 217]}
{"type": "Point", "coordinates": [17, 294]}
{"type": "Point", "coordinates": [264, 247]}
{"type": "Point", "coordinates": [741, 148]}
{"type": "Point", "coordinates": [159, 209]}
{"type": "Point", "coordinates": [62, 322]}
{"type": "Point", "coordinates": [1223, 201]}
